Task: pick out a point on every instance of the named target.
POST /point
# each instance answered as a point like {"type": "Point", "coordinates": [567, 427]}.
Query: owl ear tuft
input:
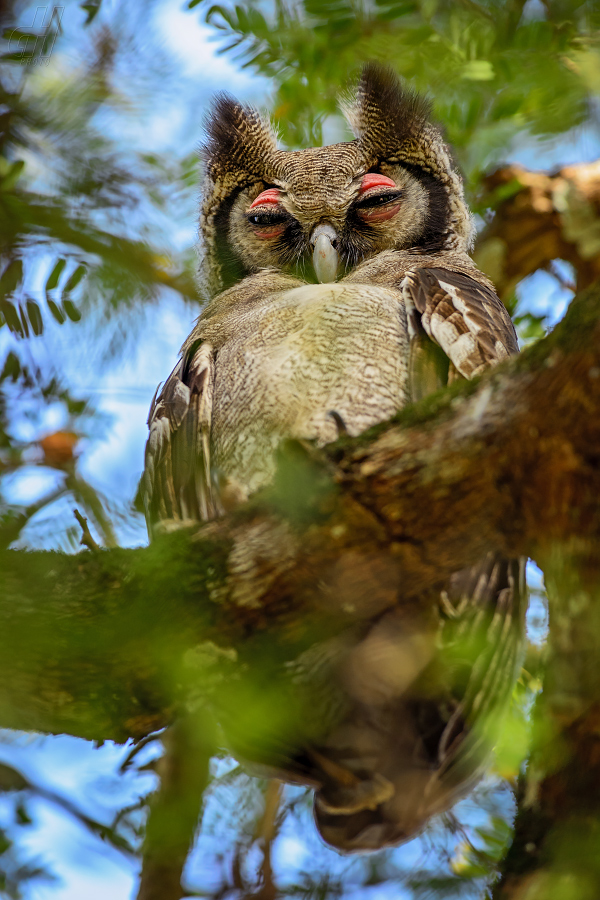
{"type": "Point", "coordinates": [392, 125]}
{"type": "Point", "coordinates": [238, 141]}
{"type": "Point", "coordinates": [384, 115]}
{"type": "Point", "coordinates": [237, 153]}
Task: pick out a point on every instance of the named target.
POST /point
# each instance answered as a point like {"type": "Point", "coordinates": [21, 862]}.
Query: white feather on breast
{"type": "Point", "coordinates": [296, 356]}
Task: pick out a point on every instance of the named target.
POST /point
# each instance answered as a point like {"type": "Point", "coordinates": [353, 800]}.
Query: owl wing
{"type": "Point", "coordinates": [483, 608]}
{"type": "Point", "coordinates": [177, 485]}
{"type": "Point", "coordinates": [462, 315]}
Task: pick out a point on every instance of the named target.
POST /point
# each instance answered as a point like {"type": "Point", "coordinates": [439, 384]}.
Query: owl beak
{"type": "Point", "coordinates": [325, 256]}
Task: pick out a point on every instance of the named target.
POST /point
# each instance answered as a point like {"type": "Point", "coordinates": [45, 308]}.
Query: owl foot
{"type": "Point", "coordinates": [346, 792]}
{"type": "Point", "coordinates": [367, 794]}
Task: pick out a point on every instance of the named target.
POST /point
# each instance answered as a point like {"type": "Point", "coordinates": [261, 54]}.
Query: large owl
{"type": "Point", "coordinates": [341, 289]}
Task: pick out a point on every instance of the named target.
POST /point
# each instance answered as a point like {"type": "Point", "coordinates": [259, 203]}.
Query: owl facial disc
{"type": "Point", "coordinates": [325, 256]}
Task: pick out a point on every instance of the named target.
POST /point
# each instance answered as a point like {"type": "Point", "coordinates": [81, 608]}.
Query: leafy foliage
{"type": "Point", "coordinates": [496, 70]}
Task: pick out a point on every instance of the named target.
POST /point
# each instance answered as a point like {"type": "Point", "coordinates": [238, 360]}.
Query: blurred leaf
{"type": "Point", "coordinates": [22, 816]}
{"type": "Point", "coordinates": [11, 779]}
{"type": "Point", "coordinates": [55, 310]}
{"type": "Point", "coordinates": [20, 57]}
{"type": "Point", "coordinates": [24, 321]}
{"type": "Point", "coordinates": [478, 70]}
{"type": "Point", "coordinates": [55, 274]}
{"type": "Point", "coordinates": [92, 8]}
{"type": "Point", "coordinates": [530, 327]}
{"type": "Point", "coordinates": [74, 279]}
{"type": "Point", "coordinates": [11, 277]}
{"type": "Point", "coordinates": [11, 178]}
{"type": "Point", "coordinates": [11, 34]}
{"type": "Point", "coordinates": [71, 310]}
{"type": "Point", "coordinates": [35, 317]}
{"type": "Point", "coordinates": [12, 367]}
{"type": "Point", "coordinates": [11, 317]}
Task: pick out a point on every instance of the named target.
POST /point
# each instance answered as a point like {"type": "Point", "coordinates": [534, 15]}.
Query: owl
{"type": "Point", "coordinates": [340, 289]}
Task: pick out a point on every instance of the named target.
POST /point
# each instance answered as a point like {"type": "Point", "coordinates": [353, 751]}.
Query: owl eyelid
{"type": "Point", "coordinates": [377, 198]}
{"type": "Point", "coordinates": [266, 217]}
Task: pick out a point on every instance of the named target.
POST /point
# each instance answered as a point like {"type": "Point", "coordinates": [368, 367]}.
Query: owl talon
{"type": "Point", "coordinates": [341, 425]}
{"type": "Point", "coordinates": [367, 794]}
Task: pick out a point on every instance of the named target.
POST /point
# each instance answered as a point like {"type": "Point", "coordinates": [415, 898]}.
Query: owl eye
{"type": "Point", "coordinates": [268, 224]}
{"type": "Point", "coordinates": [377, 206]}
{"type": "Point", "coordinates": [266, 218]}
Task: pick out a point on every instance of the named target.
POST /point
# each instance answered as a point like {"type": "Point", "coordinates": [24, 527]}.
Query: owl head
{"type": "Point", "coordinates": [321, 211]}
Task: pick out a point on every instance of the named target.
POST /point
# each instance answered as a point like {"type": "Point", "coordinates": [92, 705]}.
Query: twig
{"type": "Point", "coordinates": [565, 283]}
{"type": "Point", "coordinates": [266, 832]}
{"type": "Point", "coordinates": [139, 745]}
{"type": "Point", "coordinates": [12, 529]}
{"type": "Point", "coordinates": [86, 538]}
{"type": "Point", "coordinates": [175, 808]}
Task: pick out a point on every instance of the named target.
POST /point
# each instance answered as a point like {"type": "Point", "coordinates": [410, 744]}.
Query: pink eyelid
{"type": "Point", "coordinates": [269, 196]}
{"type": "Point", "coordinates": [372, 180]}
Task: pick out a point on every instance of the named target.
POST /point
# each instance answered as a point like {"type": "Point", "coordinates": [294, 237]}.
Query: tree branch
{"type": "Point", "coordinates": [111, 645]}
{"type": "Point", "coordinates": [539, 218]}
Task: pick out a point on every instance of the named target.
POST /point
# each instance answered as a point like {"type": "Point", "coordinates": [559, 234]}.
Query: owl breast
{"type": "Point", "coordinates": [297, 356]}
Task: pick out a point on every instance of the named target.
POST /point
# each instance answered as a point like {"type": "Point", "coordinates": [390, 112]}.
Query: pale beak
{"type": "Point", "coordinates": [325, 257]}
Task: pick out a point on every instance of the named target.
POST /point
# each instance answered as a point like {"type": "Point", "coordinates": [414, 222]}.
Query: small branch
{"type": "Point", "coordinates": [543, 218]}
{"type": "Point", "coordinates": [267, 831]}
{"type": "Point", "coordinates": [139, 745]}
{"type": "Point", "coordinates": [175, 808]}
{"type": "Point", "coordinates": [565, 283]}
{"type": "Point", "coordinates": [86, 538]}
{"type": "Point", "coordinates": [11, 530]}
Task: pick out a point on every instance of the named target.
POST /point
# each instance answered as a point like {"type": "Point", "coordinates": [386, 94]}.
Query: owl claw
{"type": "Point", "coordinates": [341, 425]}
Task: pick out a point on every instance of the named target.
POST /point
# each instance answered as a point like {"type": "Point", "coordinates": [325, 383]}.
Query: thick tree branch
{"type": "Point", "coordinates": [539, 218]}
{"type": "Point", "coordinates": [557, 828]}
{"type": "Point", "coordinates": [116, 640]}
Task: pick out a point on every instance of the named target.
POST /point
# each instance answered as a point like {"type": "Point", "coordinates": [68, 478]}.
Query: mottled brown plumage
{"type": "Point", "coordinates": [383, 220]}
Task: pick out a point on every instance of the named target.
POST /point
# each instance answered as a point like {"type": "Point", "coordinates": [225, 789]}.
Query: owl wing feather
{"type": "Point", "coordinates": [463, 316]}
{"type": "Point", "coordinates": [487, 604]}
{"type": "Point", "coordinates": [177, 485]}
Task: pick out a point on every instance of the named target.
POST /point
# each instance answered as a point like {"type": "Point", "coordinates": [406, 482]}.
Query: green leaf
{"type": "Point", "coordinates": [55, 310]}
{"type": "Point", "coordinates": [71, 310]}
{"type": "Point", "coordinates": [12, 367]}
{"type": "Point", "coordinates": [13, 34]}
{"type": "Point", "coordinates": [11, 317]}
{"type": "Point", "coordinates": [11, 277]}
{"type": "Point", "coordinates": [12, 176]}
{"type": "Point", "coordinates": [92, 8]}
{"type": "Point", "coordinates": [22, 817]}
{"type": "Point", "coordinates": [24, 322]}
{"type": "Point", "coordinates": [55, 274]}
{"type": "Point", "coordinates": [74, 279]}
{"type": "Point", "coordinates": [478, 70]}
{"type": "Point", "coordinates": [20, 56]}
{"type": "Point", "coordinates": [35, 316]}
